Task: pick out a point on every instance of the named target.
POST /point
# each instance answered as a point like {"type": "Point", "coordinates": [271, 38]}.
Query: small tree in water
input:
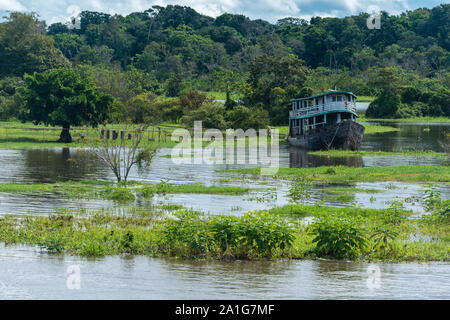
{"type": "Point", "coordinates": [122, 153]}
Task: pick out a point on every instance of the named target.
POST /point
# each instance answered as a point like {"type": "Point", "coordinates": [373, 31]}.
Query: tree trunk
{"type": "Point", "coordinates": [65, 136]}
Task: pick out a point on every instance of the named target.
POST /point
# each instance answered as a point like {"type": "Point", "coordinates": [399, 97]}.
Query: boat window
{"type": "Point", "coordinates": [334, 98]}
{"type": "Point", "coordinates": [339, 98]}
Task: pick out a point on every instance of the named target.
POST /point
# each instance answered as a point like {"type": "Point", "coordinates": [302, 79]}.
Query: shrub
{"type": "Point", "coordinates": [253, 235]}
{"type": "Point", "coordinates": [244, 118]}
{"type": "Point", "coordinates": [395, 215]}
{"type": "Point", "coordinates": [211, 115]}
{"type": "Point", "coordinates": [384, 106]}
{"type": "Point", "coordinates": [338, 236]}
{"type": "Point", "coordinates": [120, 194]}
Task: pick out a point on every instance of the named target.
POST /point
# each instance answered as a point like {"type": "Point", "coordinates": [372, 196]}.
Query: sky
{"type": "Point", "coordinates": [271, 10]}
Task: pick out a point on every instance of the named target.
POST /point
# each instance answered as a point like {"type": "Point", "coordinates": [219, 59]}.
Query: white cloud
{"type": "Point", "coordinates": [11, 5]}
{"type": "Point", "coordinates": [271, 10]}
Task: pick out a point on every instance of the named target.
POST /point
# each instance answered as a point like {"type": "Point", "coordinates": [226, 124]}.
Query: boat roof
{"type": "Point", "coordinates": [325, 94]}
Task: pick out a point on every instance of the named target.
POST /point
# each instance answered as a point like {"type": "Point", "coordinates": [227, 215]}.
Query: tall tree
{"type": "Point", "coordinates": [61, 97]}
{"type": "Point", "coordinates": [24, 47]}
{"type": "Point", "coordinates": [268, 72]}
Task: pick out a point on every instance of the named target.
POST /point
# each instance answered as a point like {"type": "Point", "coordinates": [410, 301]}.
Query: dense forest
{"type": "Point", "coordinates": [163, 63]}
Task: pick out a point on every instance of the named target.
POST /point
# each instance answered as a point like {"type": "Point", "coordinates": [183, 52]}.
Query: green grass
{"type": "Point", "coordinates": [343, 174]}
{"type": "Point", "coordinates": [369, 129]}
{"type": "Point", "coordinates": [365, 98]}
{"type": "Point", "coordinates": [347, 189]}
{"type": "Point", "coordinates": [373, 129]}
{"type": "Point", "coordinates": [307, 210]}
{"type": "Point", "coordinates": [165, 188]}
{"type": "Point", "coordinates": [27, 135]}
{"type": "Point", "coordinates": [89, 189]}
{"type": "Point", "coordinates": [189, 235]}
{"type": "Point", "coordinates": [257, 235]}
{"type": "Point", "coordinates": [216, 95]}
{"type": "Point", "coordinates": [415, 119]}
{"type": "Point", "coordinates": [350, 153]}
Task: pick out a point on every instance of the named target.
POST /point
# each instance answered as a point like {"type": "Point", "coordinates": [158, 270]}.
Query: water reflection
{"type": "Point", "coordinates": [412, 136]}
{"type": "Point", "coordinates": [51, 165]}
{"type": "Point", "coordinates": [299, 158]}
{"type": "Point", "coordinates": [154, 278]}
{"type": "Point", "coordinates": [48, 165]}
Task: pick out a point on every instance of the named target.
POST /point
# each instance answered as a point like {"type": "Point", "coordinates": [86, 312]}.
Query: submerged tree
{"type": "Point", "coordinates": [61, 97]}
{"type": "Point", "coordinates": [120, 154]}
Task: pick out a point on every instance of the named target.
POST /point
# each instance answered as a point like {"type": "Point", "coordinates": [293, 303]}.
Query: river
{"type": "Point", "coordinates": [31, 274]}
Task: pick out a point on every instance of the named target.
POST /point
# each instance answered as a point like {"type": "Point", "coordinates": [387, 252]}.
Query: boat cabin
{"type": "Point", "coordinates": [327, 108]}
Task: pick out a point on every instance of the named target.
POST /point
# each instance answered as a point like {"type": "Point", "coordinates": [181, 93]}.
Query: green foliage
{"type": "Point", "coordinates": [384, 106]}
{"type": "Point", "coordinates": [174, 49]}
{"type": "Point", "coordinates": [383, 237]}
{"type": "Point", "coordinates": [434, 203]}
{"type": "Point", "coordinates": [300, 189]}
{"type": "Point", "coordinates": [338, 236]}
{"type": "Point", "coordinates": [61, 97]}
{"type": "Point", "coordinates": [269, 72]}
{"type": "Point", "coordinates": [212, 115]}
{"type": "Point", "coordinates": [241, 117]}
{"type": "Point", "coordinates": [120, 194]}
{"type": "Point", "coordinates": [174, 85]}
{"type": "Point", "coordinates": [251, 236]}
{"type": "Point", "coordinates": [24, 48]}
{"type": "Point", "coordinates": [10, 100]}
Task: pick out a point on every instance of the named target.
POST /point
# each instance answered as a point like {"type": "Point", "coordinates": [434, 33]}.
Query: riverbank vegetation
{"type": "Point", "coordinates": [350, 153]}
{"type": "Point", "coordinates": [369, 128]}
{"type": "Point", "coordinates": [171, 64]}
{"type": "Point", "coordinates": [364, 118]}
{"type": "Point", "coordinates": [391, 234]}
{"type": "Point", "coordinates": [105, 190]}
{"type": "Point", "coordinates": [343, 174]}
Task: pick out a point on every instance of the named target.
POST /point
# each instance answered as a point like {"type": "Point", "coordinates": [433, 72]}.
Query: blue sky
{"type": "Point", "coordinates": [271, 10]}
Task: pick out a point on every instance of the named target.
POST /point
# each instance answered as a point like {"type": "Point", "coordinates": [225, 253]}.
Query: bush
{"type": "Point", "coordinates": [251, 236]}
{"type": "Point", "coordinates": [211, 115]}
{"type": "Point", "coordinates": [384, 106]}
{"type": "Point", "coordinates": [120, 194]}
{"type": "Point", "coordinates": [247, 118]}
{"type": "Point", "coordinates": [338, 236]}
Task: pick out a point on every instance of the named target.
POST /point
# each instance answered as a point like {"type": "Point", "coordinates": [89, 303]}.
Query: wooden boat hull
{"type": "Point", "coordinates": [346, 135]}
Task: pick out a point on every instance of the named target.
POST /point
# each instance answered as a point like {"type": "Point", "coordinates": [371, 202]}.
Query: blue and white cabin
{"type": "Point", "coordinates": [324, 109]}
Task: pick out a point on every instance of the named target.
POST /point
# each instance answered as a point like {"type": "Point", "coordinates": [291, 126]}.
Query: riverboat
{"type": "Point", "coordinates": [325, 121]}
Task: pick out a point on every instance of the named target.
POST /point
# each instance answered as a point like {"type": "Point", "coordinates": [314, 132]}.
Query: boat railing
{"type": "Point", "coordinates": [332, 106]}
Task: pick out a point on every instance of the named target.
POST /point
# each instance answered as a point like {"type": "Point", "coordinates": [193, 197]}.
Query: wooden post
{"type": "Point", "coordinates": [159, 134]}
{"type": "Point", "coordinates": [122, 135]}
{"type": "Point", "coordinates": [102, 133]}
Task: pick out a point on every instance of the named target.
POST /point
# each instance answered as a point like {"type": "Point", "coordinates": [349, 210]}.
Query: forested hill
{"type": "Point", "coordinates": [176, 47]}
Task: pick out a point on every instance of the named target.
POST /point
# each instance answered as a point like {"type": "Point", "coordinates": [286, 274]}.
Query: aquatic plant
{"type": "Point", "coordinates": [120, 194]}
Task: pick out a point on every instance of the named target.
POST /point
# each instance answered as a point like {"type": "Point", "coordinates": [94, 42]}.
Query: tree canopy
{"type": "Point", "coordinates": [61, 97]}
